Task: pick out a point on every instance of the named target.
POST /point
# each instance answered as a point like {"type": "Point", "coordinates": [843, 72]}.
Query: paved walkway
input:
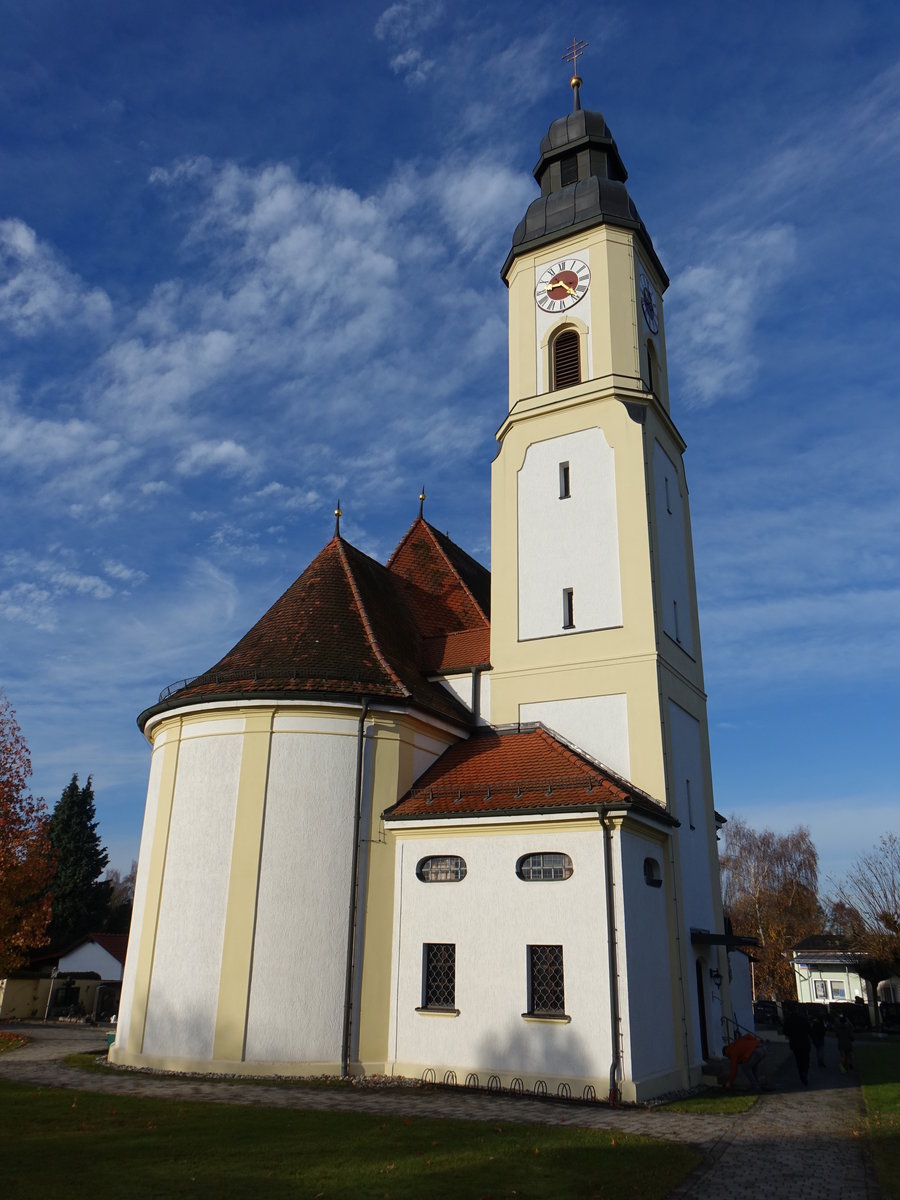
{"type": "Point", "coordinates": [796, 1142]}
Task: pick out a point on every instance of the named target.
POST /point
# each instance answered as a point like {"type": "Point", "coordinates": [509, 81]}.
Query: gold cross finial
{"type": "Point", "coordinates": [572, 55]}
{"type": "Point", "coordinates": [337, 520]}
{"type": "Point", "coordinates": [422, 501]}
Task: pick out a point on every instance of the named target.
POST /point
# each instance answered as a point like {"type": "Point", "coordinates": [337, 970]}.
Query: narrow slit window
{"type": "Point", "coordinates": [668, 497]}
{"type": "Point", "coordinates": [690, 804]}
{"type": "Point", "coordinates": [677, 629]}
{"type": "Point", "coordinates": [650, 379]}
{"type": "Point", "coordinates": [564, 488]}
{"type": "Point", "coordinates": [568, 608]}
{"type": "Point", "coordinates": [565, 354]}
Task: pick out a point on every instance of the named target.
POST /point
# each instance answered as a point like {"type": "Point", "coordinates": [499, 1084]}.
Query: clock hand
{"type": "Point", "coordinates": [561, 283]}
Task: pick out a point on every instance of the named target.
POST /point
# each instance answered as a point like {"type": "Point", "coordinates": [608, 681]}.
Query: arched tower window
{"type": "Point", "coordinates": [565, 360]}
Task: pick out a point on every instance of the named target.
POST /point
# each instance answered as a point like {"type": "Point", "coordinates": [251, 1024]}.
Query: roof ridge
{"type": "Point", "coordinates": [364, 616]}
{"type": "Point", "coordinates": [435, 539]}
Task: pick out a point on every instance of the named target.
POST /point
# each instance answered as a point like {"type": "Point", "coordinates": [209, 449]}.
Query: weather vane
{"type": "Point", "coordinates": [572, 55]}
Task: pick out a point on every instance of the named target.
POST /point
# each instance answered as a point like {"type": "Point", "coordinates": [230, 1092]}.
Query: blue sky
{"type": "Point", "coordinates": [249, 261]}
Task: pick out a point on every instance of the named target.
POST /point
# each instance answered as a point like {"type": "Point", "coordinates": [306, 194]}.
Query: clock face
{"type": "Point", "coordinates": [562, 284]}
{"type": "Point", "coordinates": [648, 304]}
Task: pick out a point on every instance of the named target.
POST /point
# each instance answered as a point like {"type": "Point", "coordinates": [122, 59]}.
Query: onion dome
{"type": "Point", "coordinates": [582, 180]}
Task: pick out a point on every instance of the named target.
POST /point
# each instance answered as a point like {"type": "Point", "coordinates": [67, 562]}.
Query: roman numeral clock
{"type": "Point", "coordinates": [562, 285]}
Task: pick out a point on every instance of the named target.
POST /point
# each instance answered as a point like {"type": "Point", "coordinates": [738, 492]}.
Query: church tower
{"type": "Point", "coordinates": [594, 609]}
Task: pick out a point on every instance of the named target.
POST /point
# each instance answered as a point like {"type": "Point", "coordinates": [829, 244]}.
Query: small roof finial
{"type": "Point", "coordinates": [422, 499]}
{"type": "Point", "coordinates": [337, 519]}
{"type": "Point", "coordinates": [572, 55]}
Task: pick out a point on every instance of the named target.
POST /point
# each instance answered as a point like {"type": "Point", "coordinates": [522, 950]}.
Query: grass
{"type": "Point", "coordinates": [12, 1041]}
{"type": "Point", "coordinates": [715, 1101]}
{"type": "Point", "coordinates": [879, 1071]}
{"type": "Point", "coordinates": [128, 1147]}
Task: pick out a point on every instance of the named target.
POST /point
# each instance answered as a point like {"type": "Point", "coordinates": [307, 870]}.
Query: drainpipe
{"type": "Point", "coordinates": [354, 887]}
{"type": "Point", "coordinates": [614, 1065]}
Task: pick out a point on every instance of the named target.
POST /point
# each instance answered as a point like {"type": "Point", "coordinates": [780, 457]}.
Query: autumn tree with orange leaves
{"type": "Point", "coordinates": [770, 890]}
{"type": "Point", "coordinates": [26, 858]}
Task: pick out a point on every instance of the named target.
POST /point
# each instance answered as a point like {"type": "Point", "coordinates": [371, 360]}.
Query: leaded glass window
{"type": "Point", "coordinates": [545, 866]}
{"type": "Point", "coordinates": [442, 868]}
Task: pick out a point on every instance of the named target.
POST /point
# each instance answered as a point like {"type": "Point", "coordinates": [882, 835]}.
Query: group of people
{"type": "Point", "coordinates": [803, 1036]}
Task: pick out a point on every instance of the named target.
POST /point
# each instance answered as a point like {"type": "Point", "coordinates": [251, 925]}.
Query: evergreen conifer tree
{"type": "Point", "coordinates": [80, 896]}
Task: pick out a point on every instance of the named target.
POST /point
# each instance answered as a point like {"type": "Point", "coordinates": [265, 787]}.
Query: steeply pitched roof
{"type": "Point", "coordinates": [345, 627]}
{"type": "Point", "coordinates": [446, 588]}
{"type": "Point", "coordinates": [518, 769]}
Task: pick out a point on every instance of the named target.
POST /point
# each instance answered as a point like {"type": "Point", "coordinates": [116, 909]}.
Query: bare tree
{"type": "Point", "coordinates": [866, 909]}
{"type": "Point", "coordinates": [770, 891]}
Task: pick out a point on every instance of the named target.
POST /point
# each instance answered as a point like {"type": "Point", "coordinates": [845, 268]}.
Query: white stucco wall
{"type": "Point", "coordinates": [669, 509]}
{"type": "Point", "coordinates": [596, 724]}
{"type": "Point", "coordinates": [184, 987]}
{"type": "Point", "coordinates": [297, 990]}
{"type": "Point", "coordinates": [91, 957]}
{"type": "Point", "coordinates": [644, 965]}
{"type": "Point", "coordinates": [568, 543]}
{"type": "Point", "coordinates": [741, 990]}
{"type": "Point", "coordinates": [491, 917]}
{"type": "Point", "coordinates": [140, 892]}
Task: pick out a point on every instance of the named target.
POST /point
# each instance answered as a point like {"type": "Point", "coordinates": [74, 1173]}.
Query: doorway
{"type": "Point", "coordinates": [701, 1007]}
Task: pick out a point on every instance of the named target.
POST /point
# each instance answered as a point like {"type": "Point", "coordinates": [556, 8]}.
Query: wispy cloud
{"type": "Point", "coordinates": [402, 27]}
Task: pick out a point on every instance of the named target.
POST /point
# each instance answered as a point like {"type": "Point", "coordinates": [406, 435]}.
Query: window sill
{"type": "Point", "coordinates": [438, 1012]}
{"type": "Point", "coordinates": [548, 1018]}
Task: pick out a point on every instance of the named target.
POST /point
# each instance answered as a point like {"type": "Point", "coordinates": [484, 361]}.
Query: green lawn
{"type": "Point", "coordinates": [123, 1147]}
{"type": "Point", "coordinates": [879, 1071]}
{"type": "Point", "coordinates": [713, 1101]}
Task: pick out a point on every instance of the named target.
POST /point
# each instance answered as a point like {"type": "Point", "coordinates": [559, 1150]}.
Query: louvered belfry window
{"type": "Point", "coordinates": [566, 355]}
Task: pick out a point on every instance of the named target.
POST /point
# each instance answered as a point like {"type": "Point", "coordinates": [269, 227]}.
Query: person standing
{"type": "Point", "coordinates": [817, 1037]}
{"type": "Point", "coordinates": [796, 1029]}
{"type": "Point", "coordinates": [845, 1043]}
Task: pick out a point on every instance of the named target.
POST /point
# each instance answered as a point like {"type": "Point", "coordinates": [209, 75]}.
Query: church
{"type": "Point", "coordinates": [431, 821]}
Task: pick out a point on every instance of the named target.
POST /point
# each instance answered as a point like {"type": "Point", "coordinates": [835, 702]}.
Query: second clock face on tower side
{"type": "Point", "coordinates": [562, 284]}
{"type": "Point", "coordinates": [648, 304]}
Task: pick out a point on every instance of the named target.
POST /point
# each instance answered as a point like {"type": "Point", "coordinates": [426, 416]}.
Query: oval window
{"type": "Point", "coordinates": [441, 868]}
{"type": "Point", "coordinates": [544, 866]}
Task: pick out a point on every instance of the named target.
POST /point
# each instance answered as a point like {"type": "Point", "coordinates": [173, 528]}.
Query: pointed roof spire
{"type": "Point", "coordinates": [422, 499]}
{"type": "Point", "coordinates": [337, 519]}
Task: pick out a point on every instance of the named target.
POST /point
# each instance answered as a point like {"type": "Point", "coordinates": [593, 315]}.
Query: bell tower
{"type": "Point", "coordinates": [594, 611]}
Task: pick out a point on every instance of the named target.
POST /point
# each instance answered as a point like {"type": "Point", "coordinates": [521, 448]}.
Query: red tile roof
{"type": "Point", "coordinates": [457, 651]}
{"type": "Point", "coordinates": [346, 627]}
{"type": "Point", "coordinates": [518, 769]}
{"type": "Point", "coordinates": [446, 588]}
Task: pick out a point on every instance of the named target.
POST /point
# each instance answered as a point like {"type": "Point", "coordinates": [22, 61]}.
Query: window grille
{"type": "Point", "coordinates": [544, 866]}
{"type": "Point", "coordinates": [442, 868]}
{"type": "Point", "coordinates": [546, 987]}
{"type": "Point", "coordinates": [439, 984]}
{"type": "Point", "coordinates": [566, 360]}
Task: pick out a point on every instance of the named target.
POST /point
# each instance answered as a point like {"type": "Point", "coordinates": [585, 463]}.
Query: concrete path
{"type": "Point", "coordinates": [795, 1142]}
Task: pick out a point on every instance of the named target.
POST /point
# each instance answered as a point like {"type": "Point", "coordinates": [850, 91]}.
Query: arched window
{"type": "Point", "coordinates": [442, 868]}
{"type": "Point", "coordinates": [565, 360]}
{"type": "Point", "coordinates": [541, 867]}
{"type": "Point", "coordinates": [652, 873]}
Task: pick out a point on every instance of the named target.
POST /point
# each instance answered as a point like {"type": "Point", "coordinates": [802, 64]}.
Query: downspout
{"type": "Point", "coordinates": [614, 1066]}
{"type": "Point", "coordinates": [354, 887]}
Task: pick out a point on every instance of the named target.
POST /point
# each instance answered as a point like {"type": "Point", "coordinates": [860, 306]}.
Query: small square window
{"type": "Point", "coordinates": [546, 986]}
{"type": "Point", "coordinates": [439, 975]}
{"type": "Point", "coordinates": [568, 608]}
{"type": "Point", "coordinates": [838, 991]}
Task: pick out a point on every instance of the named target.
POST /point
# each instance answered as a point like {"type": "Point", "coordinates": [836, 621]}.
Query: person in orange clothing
{"type": "Point", "coordinates": [747, 1052]}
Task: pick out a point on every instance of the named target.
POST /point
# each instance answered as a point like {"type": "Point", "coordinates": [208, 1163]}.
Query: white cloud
{"type": "Point", "coordinates": [38, 292]}
{"type": "Point", "coordinates": [124, 574]}
{"type": "Point", "coordinates": [225, 455]}
{"type": "Point", "coordinates": [717, 304]}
